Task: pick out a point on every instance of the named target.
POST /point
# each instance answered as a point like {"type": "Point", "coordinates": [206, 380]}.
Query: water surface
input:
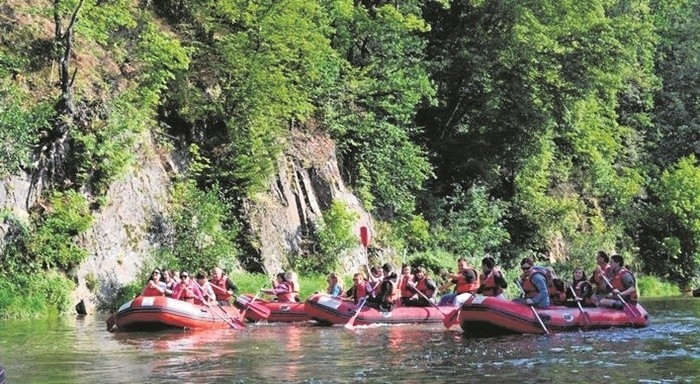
{"type": "Point", "coordinates": [80, 350]}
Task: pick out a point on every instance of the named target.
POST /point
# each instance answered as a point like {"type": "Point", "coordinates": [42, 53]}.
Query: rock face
{"type": "Point", "coordinates": [308, 180]}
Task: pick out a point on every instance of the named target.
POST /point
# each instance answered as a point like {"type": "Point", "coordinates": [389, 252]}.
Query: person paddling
{"type": "Point", "coordinates": [492, 281]}
{"type": "Point", "coordinates": [223, 286]}
{"type": "Point", "coordinates": [280, 289]}
{"type": "Point", "coordinates": [424, 286]}
{"type": "Point", "coordinates": [188, 291]}
{"type": "Point", "coordinates": [361, 289]}
{"type": "Point", "coordinates": [465, 280]}
{"type": "Point", "coordinates": [534, 284]}
{"type": "Point", "coordinates": [581, 290]}
{"type": "Point", "coordinates": [623, 285]}
{"type": "Point", "coordinates": [155, 285]}
{"type": "Point", "coordinates": [388, 291]}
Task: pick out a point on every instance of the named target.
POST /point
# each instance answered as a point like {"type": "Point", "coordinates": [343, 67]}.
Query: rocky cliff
{"type": "Point", "coordinates": [307, 181]}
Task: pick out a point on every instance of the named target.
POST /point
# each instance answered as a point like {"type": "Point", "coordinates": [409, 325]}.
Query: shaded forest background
{"type": "Point", "coordinates": [550, 129]}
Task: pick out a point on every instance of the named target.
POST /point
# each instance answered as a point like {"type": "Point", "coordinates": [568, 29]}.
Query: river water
{"type": "Point", "coordinates": [80, 350]}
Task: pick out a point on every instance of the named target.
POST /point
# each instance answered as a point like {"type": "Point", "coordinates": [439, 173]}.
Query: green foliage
{"type": "Point", "coordinates": [124, 294]}
{"type": "Point", "coordinates": [650, 286]}
{"type": "Point", "coordinates": [434, 260]}
{"type": "Point", "coordinates": [202, 235]}
{"type": "Point", "coordinates": [671, 229]}
{"type": "Point", "coordinates": [19, 127]}
{"type": "Point", "coordinates": [473, 223]}
{"type": "Point", "coordinates": [372, 114]}
{"type": "Point", "coordinates": [52, 243]}
{"type": "Point", "coordinates": [335, 237]}
{"type": "Point", "coordinates": [410, 233]}
{"type": "Point", "coordinates": [32, 295]}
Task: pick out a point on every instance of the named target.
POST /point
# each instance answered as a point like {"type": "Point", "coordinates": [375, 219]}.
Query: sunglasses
{"type": "Point", "coordinates": [184, 276]}
{"type": "Point", "coordinates": [525, 268]}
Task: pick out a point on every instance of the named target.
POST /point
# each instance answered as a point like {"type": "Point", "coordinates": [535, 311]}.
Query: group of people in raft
{"type": "Point", "coordinates": [609, 285]}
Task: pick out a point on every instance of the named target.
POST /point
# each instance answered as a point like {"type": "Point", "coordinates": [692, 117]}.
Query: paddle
{"type": "Point", "coordinates": [364, 239]}
{"type": "Point", "coordinates": [234, 323]}
{"type": "Point", "coordinates": [261, 310]}
{"type": "Point", "coordinates": [586, 315]}
{"type": "Point", "coordinates": [632, 312]}
{"type": "Point", "coordinates": [351, 323]}
{"type": "Point", "coordinates": [537, 315]}
{"type": "Point", "coordinates": [429, 301]}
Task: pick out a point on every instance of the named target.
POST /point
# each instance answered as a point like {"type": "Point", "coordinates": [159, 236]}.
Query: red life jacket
{"type": "Point", "coordinates": [151, 291]}
{"type": "Point", "coordinates": [187, 293]}
{"type": "Point", "coordinates": [395, 294]}
{"type": "Point", "coordinates": [286, 296]}
{"type": "Point", "coordinates": [422, 286]}
{"type": "Point", "coordinates": [489, 286]}
{"type": "Point", "coordinates": [403, 286]}
{"type": "Point", "coordinates": [362, 291]}
{"type": "Point", "coordinates": [617, 284]}
{"type": "Point", "coordinates": [221, 293]}
{"type": "Point", "coordinates": [597, 279]}
{"type": "Point", "coordinates": [529, 287]}
{"type": "Point", "coordinates": [466, 287]}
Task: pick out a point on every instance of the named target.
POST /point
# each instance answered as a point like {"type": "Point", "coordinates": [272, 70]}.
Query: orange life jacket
{"type": "Point", "coordinates": [489, 286]}
{"type": "Point", "coordinates": [395, 294]}
{"type": "Point", "coordinates": [617, 284]}
{"type": "Point", "coordinates": [422, 286]}
{"type": "Point", "coordinates": [403, 286]}
{"type": "Point", "coordinates": [187, 293]}
{"type": "Point", "coordinates": [361, 291]}
{"type": "Point", "coordinates": [463, 286]}
{"type": "Point", "coordinates": [221, 293]}
{"type": "Point", "coordinates": [597, 279]}
{"type": "Point", "coordinates": [529, 287]}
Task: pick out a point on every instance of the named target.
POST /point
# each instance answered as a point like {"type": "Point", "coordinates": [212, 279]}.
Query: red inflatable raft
{"type": "Point", "coordinates": [155, 312]}
{"type": "Point", "coordinates": [271, 311]}
{"type": "Point", "coordinates": [329, 310]}
{"type": "Point", "coordinates": [485, 316]}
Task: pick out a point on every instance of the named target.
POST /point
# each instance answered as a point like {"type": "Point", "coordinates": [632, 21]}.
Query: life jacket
{"type": "Point", "coordinates": [285, 296]}
{"type": "Point", "coordinates": [151, 291]}
{"type": "Point", "coordinates": [580, 288]}
{"type": "Point", "coordinates": [187, 293]}
{"type": "Point", "coordinates": [463, 286]}
{"type": "Point", "coordinates": [597, 279]}
{"type": "Point", "coordinates": [422, 286]}
{"type": "Point", "coordinates": [362, 291]}
{"type": "Point", "coordinates": [403, 286]}
{"type": "Point", "coordinates": [221, 293]}
{"type": "Point", "coordinates": [617, 284]}
{"type": "Point", "coordinates": [530, 289]}
{"type": "Point", "coordinates": [395, 292]}
{"type": "Point", "coordinates": [489, 286]}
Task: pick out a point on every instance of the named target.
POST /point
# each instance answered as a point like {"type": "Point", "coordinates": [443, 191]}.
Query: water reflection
{"type": "Point", "coordinates": [78, 350]}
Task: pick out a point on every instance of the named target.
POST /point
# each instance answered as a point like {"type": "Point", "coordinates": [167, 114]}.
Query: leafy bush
{"type": "Point", "coordinates": [52, 243]}
{"type": "Point", "coordinates": [202, 235]}
{"type": "Point", "coordinates": [335, 237]}
{"type": "Point", "coordinates": [650, 286]}
{"type": "Point", "coordinates": [34, 295]}
{"type": "Point", "coordinates": [19, 126]}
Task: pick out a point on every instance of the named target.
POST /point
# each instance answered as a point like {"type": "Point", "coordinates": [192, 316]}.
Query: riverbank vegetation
{"type": "Point", "coordinates": [550, 129]}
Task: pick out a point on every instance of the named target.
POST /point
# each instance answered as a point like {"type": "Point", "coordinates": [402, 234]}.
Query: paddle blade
{"type": "Point", "coordinates": [451, 318]}
{"type": "Point", "coordinates": [364, 236]}
{"type": "Point", "coordinates": [257, 311]}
